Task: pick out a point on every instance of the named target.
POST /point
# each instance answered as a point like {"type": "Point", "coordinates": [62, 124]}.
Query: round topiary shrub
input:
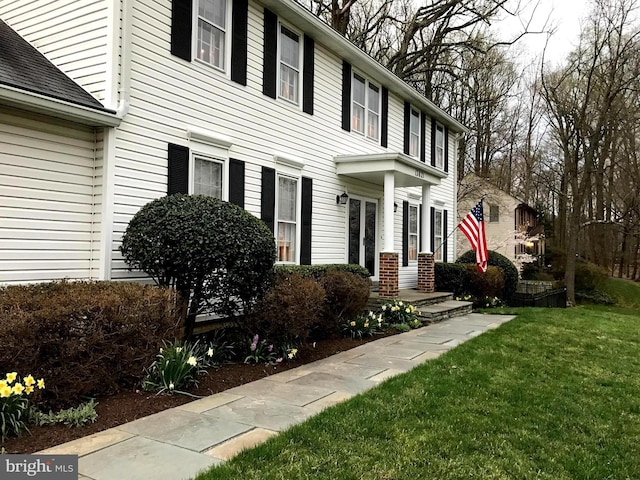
{"type": "Point", "coordinates": [497, 260]}
{"type": "Point", "coordinates": [218, 256]}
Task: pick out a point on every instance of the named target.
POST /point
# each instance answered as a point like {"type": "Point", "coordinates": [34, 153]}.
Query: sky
{"type": "Point", "coordinates": [564, 15]}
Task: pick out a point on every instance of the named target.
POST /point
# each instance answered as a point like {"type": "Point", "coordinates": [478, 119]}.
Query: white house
{"type": "Point", "coordinates": [257, 102]}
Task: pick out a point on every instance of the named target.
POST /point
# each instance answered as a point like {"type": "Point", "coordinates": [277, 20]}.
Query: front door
{"type": "Point", "coordinates": [362, 233]}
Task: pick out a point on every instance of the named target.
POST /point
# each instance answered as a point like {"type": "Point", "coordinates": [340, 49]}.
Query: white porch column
{"type": "Point", "coordinates": [425, 233]}
{"type": "Point", "coordinates": [389, 191]}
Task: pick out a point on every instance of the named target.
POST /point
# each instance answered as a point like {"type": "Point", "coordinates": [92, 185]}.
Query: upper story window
{"type": "Point", "coordinates": [289, 60]}
{"type": "Point", "coordinates": [414, 133]}
{"type": "Point", "coordinates": [439, 146]}
{"type": "Point", "coordinates": [213, 21]}
{"type": "Point", "coordinates": [413, 232]}
{"type": "Point", "coordinates": [287, 215]}
{"type": "Point", "coordinates": [494, 213]}
{"type": "Point", "coordinates": [365, 109]}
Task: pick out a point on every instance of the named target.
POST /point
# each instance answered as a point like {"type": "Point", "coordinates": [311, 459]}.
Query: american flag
{"type": "Point", "coordinates": [473, 227]}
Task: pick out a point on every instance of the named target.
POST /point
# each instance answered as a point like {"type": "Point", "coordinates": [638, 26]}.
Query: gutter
{"type": "Point", "coordinates": [44, 104]}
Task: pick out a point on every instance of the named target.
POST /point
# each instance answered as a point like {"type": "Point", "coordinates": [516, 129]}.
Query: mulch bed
{"type": "Point", "coordinates": [127, 406]}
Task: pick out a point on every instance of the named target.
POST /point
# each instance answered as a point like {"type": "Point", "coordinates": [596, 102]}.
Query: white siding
{"type": "Point", "coordinates": [72, 34]}
{"type": "Point", "coordinates": [168, 94]}
{"type": "Point", "coordinates": [46, 199]}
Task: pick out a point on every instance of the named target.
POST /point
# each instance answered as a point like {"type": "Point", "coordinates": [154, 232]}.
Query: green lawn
{"type": "Point", "coordinates": [554, 394]}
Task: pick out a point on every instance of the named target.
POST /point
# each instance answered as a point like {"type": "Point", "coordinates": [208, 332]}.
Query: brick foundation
{"type": "Point", "coordinates": [426, 273]}
{"type": "Point", "coordinates": [388, 277]}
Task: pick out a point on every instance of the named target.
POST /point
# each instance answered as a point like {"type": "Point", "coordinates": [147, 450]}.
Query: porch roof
{"type": "Point", "coordinates": [408, 171]}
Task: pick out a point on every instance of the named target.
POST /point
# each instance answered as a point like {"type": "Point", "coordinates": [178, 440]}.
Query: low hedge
{"type": "Point", "coordinates": [318, 271]}
{"type": "Point", "coordinates": [462, 279]}
{"type": "Point", "coordinates": [497, 260]}
{"type": "Point", "coordinates": [84, 338]}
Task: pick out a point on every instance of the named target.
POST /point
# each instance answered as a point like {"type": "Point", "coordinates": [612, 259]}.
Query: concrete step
{"type": "Point", "coordinates": [444, 310]}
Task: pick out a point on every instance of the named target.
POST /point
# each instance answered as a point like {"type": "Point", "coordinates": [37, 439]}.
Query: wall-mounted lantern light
{"type": "Point", "coordinates": [395, 207]}
{"type": "Point", "coordinates": [342, 199]}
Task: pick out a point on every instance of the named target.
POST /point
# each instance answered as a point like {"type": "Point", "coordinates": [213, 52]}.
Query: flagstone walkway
{"type": "Point", "coordinates": [178, 443]}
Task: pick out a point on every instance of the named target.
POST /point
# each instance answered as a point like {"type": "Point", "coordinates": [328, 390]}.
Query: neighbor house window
{"type": "Point", "coordinates": [289, 64]}
{"type": "Point", "coordinates": [212, 17]}
{"type": "Point", "coordinates": [287, 215]}
{"type": "Point", "coordinates": [439, 146]}
{"type": "Point", "coordinates": [438, 229]}
{"type": "Point", "coordinates": [413, 232]}
{"type": "Point", "coordinates": [494, 213]}
{"type": "Point", "coordinates": [365, 107]}
{"type": "Point", "coordinates": [207, 177]}
{"type": "Point", "coordinates": [414, 133]}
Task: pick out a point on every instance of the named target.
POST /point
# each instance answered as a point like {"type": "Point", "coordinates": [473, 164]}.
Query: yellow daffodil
{"type": "Point", "coordinates": [178, 349]}
{"type": "Point", "coordinates": [11, 377]}
{"type": "Point", "coordinates": [171, 386]}
{"type": "Point", "coordinates": [290, 355]}
{"type": "Point", "coordinates": [294, 351]}
{"type": "Point", "coordinates": [384, 307]}
{"type": "Point", "coordinates": [18, 388]}
{"type": "Point", "coordinates": [353, 324]}
{"type": "Point", "coordinates": [41, 383]}
{"type": "Point", "coordinates": [210, 352]}
{"type": "Point", "coordinates": [3, 383]}
{"type": "Point", "coordinates": [192, 361]}
{"type": "Point", "coordinates": [366, 325]}
{"type": "Point", "coordinates": [29, 381]}
{"type": "Point", "coordinates": [29, 390]}
{"type": "Point", "coordinates": [5, 391]}
{"type": "Point", "coordinates": [408, 310]}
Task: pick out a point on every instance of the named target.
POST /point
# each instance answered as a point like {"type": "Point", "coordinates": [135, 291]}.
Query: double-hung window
{"type": "Point", "coordinates": [365, 107]}
{"type": "Point", "coordinates": [207, 176]}
{"type": "Point", "coordinates": [213, 22]}
{"type": "Point", "coordinates": [289, 65]}
{"type": "Point", "coordinates": [494, 213]}
{"type": "Point", "coordinates": [438, 229]}
{"type": "Point", "coordinates": [414, 133]}
{"type": "Point", "coordinates": [439, 146]}
{"type": "Point", "coordinates": [287, 215]}
{"type": "Point", "coordinates": [413, 232]}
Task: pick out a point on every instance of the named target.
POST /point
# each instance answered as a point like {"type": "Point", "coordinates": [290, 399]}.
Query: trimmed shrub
{"type": "Point", "coordinates": [84, 338]}
{"type": "Point", "coordinates": [589, 276]}
{"type": "Point", "coordinates": [497, 260]}
{"type": "Point", "coordinates": [288, 312]}
{"type": "Point", "coordinates": [451, 277]}
{"type": "Point", "coordinates": [346, 297]}
{"type": "Point", "coordinates": [487, 284]}
{"type": "Point", "coordinates": [318, 271]}
{"type": "Point", "coordinates": [215, 254]}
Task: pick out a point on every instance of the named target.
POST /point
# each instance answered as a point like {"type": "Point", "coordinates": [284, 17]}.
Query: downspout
{"type": "Point", "coordinates": [121, 36]}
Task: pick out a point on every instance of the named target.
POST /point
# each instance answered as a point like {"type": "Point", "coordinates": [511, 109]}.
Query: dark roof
{"type": "Point", "coordinates": [24, 67]}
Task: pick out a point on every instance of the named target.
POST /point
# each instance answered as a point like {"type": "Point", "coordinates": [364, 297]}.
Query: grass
{"type": "Point", "coordinates": [554, 394]}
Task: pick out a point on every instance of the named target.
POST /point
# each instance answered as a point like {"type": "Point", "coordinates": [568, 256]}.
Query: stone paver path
{"type": "Point", "coordinates": [178, 443]}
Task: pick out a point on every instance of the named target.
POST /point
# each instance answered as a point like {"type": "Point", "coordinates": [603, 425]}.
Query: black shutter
{"type": "Point", "coordinates": [178, 171]}
{"type": "Point", "coordinates": [446, 149]}
{"type": "Point", "coordinates": [307, 75]}
{"type": "Point", "coordinates": [268, 197]}
{"type": "Point", "coordinates": [405, 233]}
{"type": "Point", "coordinates": [423, 137]}
{"type": "Point", "coordinates": [181, 19]}
{"type": "Point", "coordinates": [433, 142]}
{"type": "Point", "coordinates": [346, 96]}
{"type": "Point", "coordinates": [384, 129]}
{"type": "Point", "coordinates": [305, 232]}
{"type": "Point", "coordinates": [407, 126]}
{"type": "Point", "coordinates": [236, 182]}
{"type": "Point", "coordinates": [432, 222]}
{"type": "Point", "coordinates": [240, 15]}
{"type": "Point", "coordinates": [445, 231]}
{"type": "Point", "coordinates": [270, 54]}
{"type": "Point", "coordinates": [420, 227]}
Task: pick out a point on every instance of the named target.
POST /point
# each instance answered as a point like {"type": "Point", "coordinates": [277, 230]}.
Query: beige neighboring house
{"type": "Point", "coordinates": [511, 225]}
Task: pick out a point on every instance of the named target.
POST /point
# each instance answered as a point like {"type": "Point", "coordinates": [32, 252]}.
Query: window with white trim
{"type": "Point", "coordinates": [365, 107]}
{"type": "Point", "coordinates": [213, 19]}
{"type": "Point", "coordinates": [414, 133]}
{"type": "Point", "coordinates": [289, 60]}
{"type": "Point", "coordinates": [438, 229]}
{"type": "Point", "coordinates": [287, 216]}
{"type": "Point", "coordinates": [439, 146]}
{"type": "Point", "coordinates": [413, 232]}
{"type": "Point", "coordinates": [207, 176]}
